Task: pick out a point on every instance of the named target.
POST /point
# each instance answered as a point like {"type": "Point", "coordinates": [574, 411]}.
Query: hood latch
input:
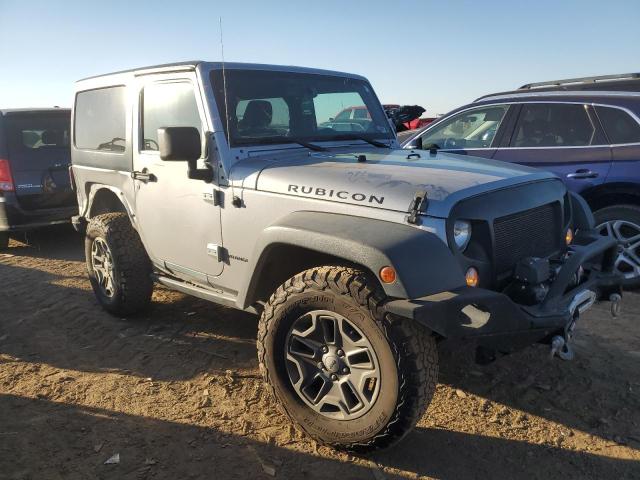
{"type": "Point", "coordinates": [418, 205]}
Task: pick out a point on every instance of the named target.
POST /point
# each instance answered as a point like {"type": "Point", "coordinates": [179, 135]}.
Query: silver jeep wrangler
{"type": "Point", "coordinates": [282, 191]}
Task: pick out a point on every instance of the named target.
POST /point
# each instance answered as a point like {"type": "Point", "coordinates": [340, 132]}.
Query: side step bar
{"type": "Point", "coordinates": [194, 290]}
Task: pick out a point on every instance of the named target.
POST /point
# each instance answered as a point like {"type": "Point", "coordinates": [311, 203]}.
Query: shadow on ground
{"type": "Point", "coordinates": [150, 448]}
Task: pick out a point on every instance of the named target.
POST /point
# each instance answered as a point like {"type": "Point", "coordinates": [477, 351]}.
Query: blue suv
{"type": "Point", "coordinates": [35, 188]}
{"type": "Point", "coordinates": [588, 136]}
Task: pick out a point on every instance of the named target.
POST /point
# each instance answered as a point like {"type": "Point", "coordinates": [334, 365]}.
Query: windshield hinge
{"type": "Point", "coordinates": [418, 206]}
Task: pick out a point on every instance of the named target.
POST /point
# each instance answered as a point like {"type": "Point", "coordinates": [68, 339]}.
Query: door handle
{"type": "Point", "coordinates": [582, 174]}
{"type": "Point", "coordinates": [144, 176]}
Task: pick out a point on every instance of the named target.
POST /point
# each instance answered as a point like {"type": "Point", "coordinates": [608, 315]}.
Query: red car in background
{"type": "Point", "coordinates": [415, 123]}
{"type": "Point", "coordinates": [412, 113]}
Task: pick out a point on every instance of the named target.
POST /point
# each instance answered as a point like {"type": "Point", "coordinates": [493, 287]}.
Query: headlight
{"type": "Point", "coordinates": [462, 233]}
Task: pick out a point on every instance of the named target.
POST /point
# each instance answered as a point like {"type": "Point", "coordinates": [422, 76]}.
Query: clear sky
{"type": "Point", "coordinates": [435, 54]}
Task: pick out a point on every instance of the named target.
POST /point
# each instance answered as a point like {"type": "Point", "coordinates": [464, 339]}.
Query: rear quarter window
{"type": "Point", "coordinates": [100, 120]}
{"type": "Point", "coordinates": [619, 126]}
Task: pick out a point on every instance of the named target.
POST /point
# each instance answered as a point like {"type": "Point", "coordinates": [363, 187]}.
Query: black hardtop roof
{"type": "Point", "coordinates": [192, 64]}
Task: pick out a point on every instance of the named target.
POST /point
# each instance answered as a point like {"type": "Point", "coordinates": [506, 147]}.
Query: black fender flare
{"type": "Point", "coordinates": [581, 213]}
{"type": "Point", "coordinates": [423, 262]}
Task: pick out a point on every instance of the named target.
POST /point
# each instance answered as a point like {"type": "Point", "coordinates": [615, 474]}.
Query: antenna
{"type": "Point", "coordinates": [224, 86]}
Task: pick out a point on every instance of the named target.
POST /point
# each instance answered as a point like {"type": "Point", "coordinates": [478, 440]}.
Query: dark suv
{"type": "Point", "coordinates": [590, 139]}
{"type": "Point", "coordinates": [35, 188]}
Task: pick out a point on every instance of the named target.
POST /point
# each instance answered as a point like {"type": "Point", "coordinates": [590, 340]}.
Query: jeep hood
{"type": "Point", "coordinates": [387, 180]}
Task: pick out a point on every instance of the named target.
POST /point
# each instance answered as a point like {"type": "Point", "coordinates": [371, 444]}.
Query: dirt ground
{"type": "Point", "coordinates": [177, 395]}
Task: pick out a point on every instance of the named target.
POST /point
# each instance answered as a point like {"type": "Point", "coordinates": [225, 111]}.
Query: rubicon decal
{"type": "Point", "coordinates": [338, 194]}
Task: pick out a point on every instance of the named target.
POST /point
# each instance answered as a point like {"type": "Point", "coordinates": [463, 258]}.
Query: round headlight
{"type": "Point", "coordinates": [462, 233]}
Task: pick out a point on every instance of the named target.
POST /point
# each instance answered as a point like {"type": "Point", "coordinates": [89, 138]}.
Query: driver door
{"type": "Point", "coordinates": [475, 131]}
{"type": "Point", "coordinates": [177, 219]}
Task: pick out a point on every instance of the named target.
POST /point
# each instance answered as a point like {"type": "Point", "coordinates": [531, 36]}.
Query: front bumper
{"type": "Point", "coordinates": [495, 321]}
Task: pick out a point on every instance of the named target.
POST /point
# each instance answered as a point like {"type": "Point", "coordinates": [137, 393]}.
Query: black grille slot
{"type": "Point", "coordinates": [532, 233]}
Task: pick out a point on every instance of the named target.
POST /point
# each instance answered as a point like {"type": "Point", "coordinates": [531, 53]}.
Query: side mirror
{"type": "Point", "coordinates": [179, 144]}
{"type": "Point", "coordinates": [417, 142]}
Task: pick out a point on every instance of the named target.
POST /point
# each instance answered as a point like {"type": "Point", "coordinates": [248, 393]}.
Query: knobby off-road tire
{"type": "Point", "coordinates": [111, 238]}
{"type": "Point", "coordinates": [623, 223]}
{"type": "Point", "coordinates": [406, 355]}
{"type": "Point", "coordinates": [4, 240]}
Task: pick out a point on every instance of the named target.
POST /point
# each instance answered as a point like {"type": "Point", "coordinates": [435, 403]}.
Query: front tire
{"type": "Point", "coordinates": [118, 265]}
{"type": "Point", "coordinates": [622, 222]}
{"type": "Point", "coordinates": [317, 335]}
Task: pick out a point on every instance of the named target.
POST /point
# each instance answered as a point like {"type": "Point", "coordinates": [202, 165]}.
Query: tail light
{"type": "Point", "coordinates": [6, 180]}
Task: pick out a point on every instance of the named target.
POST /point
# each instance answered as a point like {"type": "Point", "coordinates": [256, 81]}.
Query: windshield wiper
{"type": "Point", "coordinates": [375, 143]}
{"type": "Point", "coordinates": [254, 141]}
{"type": "Point", "coordinates": [310, 146]}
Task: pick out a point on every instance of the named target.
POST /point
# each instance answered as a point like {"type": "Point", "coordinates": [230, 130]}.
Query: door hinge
{"type": "Point", "coordinates": [216, 197]}
{"type": "Point", "coordinates": [216, 251]}
{"type": "Point", "coordinates": [418, 206]}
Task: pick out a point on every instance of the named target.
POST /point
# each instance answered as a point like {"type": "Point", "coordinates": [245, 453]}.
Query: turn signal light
{"type": "Point", "coordinates": [472, 277]}
{"type": "Point", "coordinates": [388, 274]}
{"type": "Point", "coordinates": [568, 236]}
{"type": "Point", "coordinates": [6, 180]}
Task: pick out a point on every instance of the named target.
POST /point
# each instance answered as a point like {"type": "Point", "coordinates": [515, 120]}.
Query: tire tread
{"type": "Point", "coordinates": [414, 349]}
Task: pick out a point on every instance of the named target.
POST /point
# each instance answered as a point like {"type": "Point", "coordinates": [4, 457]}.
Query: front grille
{"type": "Point", "coordinates": [532, 233]}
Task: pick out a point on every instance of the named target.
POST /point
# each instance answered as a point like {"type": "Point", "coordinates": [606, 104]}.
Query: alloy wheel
{"type": "Point", "coordinates": [102, 263]}
{"type": "Point", "coordinates": [627, 235]}
{"type": "Point", "coordinates": [332, 365]}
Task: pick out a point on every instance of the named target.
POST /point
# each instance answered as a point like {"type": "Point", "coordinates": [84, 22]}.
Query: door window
{"type": "Point", "coordinates": [469, 129]}
{"type": "Point", "coordinates": [167, 105]}
{"type": "Point", "coordinates": [555, 125]}
{"type": "Point", "coordinates": [619, 126]}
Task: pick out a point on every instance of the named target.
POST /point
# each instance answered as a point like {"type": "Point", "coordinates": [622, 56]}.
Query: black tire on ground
{"type": "Point", "coordinates": [406, 351]}
{"type": "Point", "coordinates": [630, 214]}
{"type": "Point", "coordinates": [4, 240]}
{"type": "Point", "coordinates": [132, 285]}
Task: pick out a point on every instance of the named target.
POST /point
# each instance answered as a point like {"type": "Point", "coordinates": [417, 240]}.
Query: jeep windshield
{"type": "Point", "coordinates": [272, 107]}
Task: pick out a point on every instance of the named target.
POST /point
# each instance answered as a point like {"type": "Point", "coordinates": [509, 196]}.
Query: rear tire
{"type": "Point", "coordinates": [403, 358]}
{"type": "Point", "coordinates": [118, 265]}
{"type": "Point", "coordinates": [4, 240]}
{"type": "Point", "coordinates": [623, 223]}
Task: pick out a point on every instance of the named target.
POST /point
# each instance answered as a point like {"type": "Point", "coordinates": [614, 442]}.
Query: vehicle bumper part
{"type": "Point", "coordinates": [493, 320]}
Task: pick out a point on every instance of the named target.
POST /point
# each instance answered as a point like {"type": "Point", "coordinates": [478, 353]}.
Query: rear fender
{"type": "Point", "coordinates": [102, 198]}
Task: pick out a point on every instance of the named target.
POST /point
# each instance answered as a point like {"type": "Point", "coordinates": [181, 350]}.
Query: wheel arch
{"type": "Point", "coordinates": [609, 194]}
{"type": "Point", "coordinates": [106, 199]}
{"type": "Point", "coordinates": [303, 240]}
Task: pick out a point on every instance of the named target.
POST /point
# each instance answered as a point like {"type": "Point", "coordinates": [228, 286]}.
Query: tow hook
{"type": "Point", "coordinates": [616, 304]}
{"type": "Point", "coordinates": [561, 348]}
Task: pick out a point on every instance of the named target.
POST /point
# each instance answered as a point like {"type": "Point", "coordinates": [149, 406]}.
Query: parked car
{"type": "Point", "coordinates": [357, 118]}
{"type": "Point", "coordinates": [357, 255]}
{"type": "Point", "coordinates": [590, 139]}
{"type": "Point", "coordinates": [35, 190]}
